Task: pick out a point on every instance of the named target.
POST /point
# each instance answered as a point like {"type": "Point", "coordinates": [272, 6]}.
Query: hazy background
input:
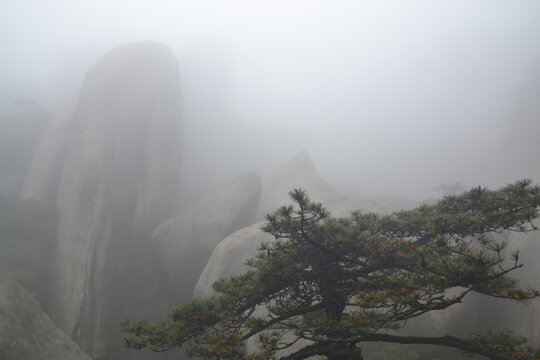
{"type": "Point", "coordinates": [389, 98]}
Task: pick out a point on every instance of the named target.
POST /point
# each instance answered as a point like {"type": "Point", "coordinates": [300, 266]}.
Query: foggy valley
{"type": "Point", "coordinates": [143, 143]}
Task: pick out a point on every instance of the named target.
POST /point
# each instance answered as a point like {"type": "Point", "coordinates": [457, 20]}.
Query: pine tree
{"type": "Point", "coordinates": [329, 284]}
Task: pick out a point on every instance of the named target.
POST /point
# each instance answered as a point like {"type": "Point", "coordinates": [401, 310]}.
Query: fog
{"type": "Point", "coordinates": [125, 149]}
{"type": "Point", "coordinates": [389, 99]}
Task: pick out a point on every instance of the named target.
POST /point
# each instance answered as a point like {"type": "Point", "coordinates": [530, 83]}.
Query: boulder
{"type": "Point", "coordinates": [299, 172]}
{"type": "Point", "coordinates": [229, 258]}
{"type": "Point", "coordinates": [118, 182]}
{"type": "Point", "coordinates": [184, 243]}
{"type": "Point", "coordinates": [26, 332]}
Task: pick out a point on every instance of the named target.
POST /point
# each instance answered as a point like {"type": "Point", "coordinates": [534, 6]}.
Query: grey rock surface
{"type": "Point", "coordinates": [229, 257]}
{"type": "Point", "coordinates": [118, 182]}
{"type": "Point", "coordinates": [299, 172]}
{"type": "Point", "coordinates": [26, 332]}
{"type": "Point", "coordinates": [185, 243]}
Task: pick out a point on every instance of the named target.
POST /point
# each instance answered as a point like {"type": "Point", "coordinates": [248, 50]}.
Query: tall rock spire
{"type": "Point", "coordinates": [119, 181]}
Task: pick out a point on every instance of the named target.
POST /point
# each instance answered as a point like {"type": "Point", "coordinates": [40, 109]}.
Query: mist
{"type": "Point", "coordinates": [386, 99]}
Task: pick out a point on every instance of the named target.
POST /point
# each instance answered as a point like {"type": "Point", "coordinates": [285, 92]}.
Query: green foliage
{"type": "Point", "coordinates": [328, 284]}
{"type": "Point", "coordinates": [504, 342]}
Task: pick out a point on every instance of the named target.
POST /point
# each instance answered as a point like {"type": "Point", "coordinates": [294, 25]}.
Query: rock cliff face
{"type": "Point", "coordinates": [185, 242]}
{"type": "Point", "coordinates": [119, 179]}
{"type": "Point", "coordinates": [26, 333]}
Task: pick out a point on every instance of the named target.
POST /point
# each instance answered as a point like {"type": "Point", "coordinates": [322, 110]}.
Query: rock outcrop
{"type": "Point", "coordinates": [299, 172]}
{"type": "Point", "coordinates": [119, 181]}
{"type": "Point", "coordinates": [185, 242]}
{"type": "Point", "coordinates": [26, 333]}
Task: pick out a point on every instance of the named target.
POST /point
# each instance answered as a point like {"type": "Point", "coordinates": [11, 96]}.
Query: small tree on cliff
{"type": "Point", "coordinates": [327, 284]}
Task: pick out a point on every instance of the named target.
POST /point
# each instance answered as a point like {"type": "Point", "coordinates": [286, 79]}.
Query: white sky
{"type": "Point", "coordinates": [388, 97]}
